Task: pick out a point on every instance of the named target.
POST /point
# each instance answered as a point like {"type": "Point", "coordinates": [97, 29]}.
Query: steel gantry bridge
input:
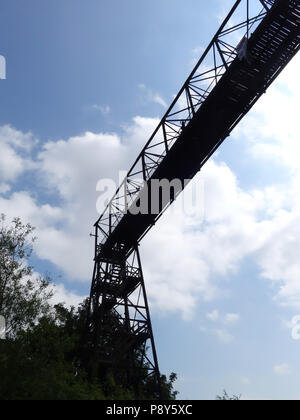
{"type": "Point", "coordinates": [254, 44]}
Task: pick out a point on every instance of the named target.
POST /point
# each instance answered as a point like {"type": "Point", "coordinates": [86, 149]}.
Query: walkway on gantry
{"type": "Point", "coordinates": [235, 70]}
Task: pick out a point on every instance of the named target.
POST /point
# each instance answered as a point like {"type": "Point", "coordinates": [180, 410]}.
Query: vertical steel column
{"type": "Point", "coordinates": [119, 294]}
{"type": "Point", "coordinates": [153, 348]}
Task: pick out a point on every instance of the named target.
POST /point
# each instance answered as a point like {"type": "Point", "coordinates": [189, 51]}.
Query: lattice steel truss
{"type": "Point", "coordinates": [255, 42]}
{"type": "Point", "coordinates": [119, 293]}
{"type": "Point", "coordinates": [242, 20]}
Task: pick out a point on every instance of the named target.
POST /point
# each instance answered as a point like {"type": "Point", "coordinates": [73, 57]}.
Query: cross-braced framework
{"type": "Point", "coordinates": [229, 45]}
{"type": "Point", "coordinates": [121, 317]}
{"type": "Point", "coordinates": [254, 44]}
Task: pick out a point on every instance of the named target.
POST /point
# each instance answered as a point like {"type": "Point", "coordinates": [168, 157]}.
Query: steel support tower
{"type": "Point", "coordinates": [254, 44]}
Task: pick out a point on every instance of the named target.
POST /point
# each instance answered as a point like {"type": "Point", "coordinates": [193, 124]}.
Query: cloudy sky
{"type": "Point", "coordinates": [87, 83]}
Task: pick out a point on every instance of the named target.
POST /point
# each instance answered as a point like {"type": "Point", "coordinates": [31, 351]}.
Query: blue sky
{"type": "Point", "coordinates": [87, 82]}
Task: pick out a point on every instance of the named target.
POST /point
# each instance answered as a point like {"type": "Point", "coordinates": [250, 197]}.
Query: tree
{"type": "Point", "coordinates": [226, 397]}
{"type": "Point", "coordinates": [47, 361]}
{"type": "Point", "coordinates": [23, 297]}
{"type": "Point", "coordinates": [46, 355]}
{"type": "Point", "coordinates": [39, 363]}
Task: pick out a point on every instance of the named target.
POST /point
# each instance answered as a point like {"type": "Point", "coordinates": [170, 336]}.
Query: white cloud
{"type": "Point", "coordinates": [228, 319]}
{"type": "Point", "coordinates": [62, 295]}
{"type": "Point", "coordinates": [62, 246]}
{"type": "Point", "coordinates": [196, 53]}
{"type": "Point", "coordinates": [223, 335]}
{"type": "Point", "coordinates": [23, 203]}
{"type": "Point", "coordinates": [151, 96]}
{"type": "Point", "coordinates": [159, 100]}
{"type": "Point", "coordinates": [104, 109]}
{"type": "Point", "coordinates": [14, 148]}
{"type": "Point", "coordinates": [71, 168]}
{"type": "Point", "coordinates": [271, 129]}
{"type": "Point", "coordinates": [282, 369]}
{"type": "Point", "coordinates": [183, 248]}
{"type": "Point", "coordinates": [231, 319]}
{"type": "Point", "coordinates": [16, 138]}
{"type": "Point", "coordinates": [4, 188]}
{"type": "Point", "coordinates": [273, 138]}
{"type": "Point", "coordinates": [213, 316]}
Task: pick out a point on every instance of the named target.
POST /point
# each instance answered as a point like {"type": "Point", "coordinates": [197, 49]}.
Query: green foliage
{"type": "Point", "coordinates": [168, 392]}
{"type": "Point", "coordinates": [226, 397]}
{"type": "Point", "coordinates": [37, 364]}
{"type": "Point", "coordinates": [46, 355]}
{"type": "Point", "coordinates": [24, 298]}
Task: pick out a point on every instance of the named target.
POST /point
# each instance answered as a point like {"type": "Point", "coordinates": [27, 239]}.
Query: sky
{"type": "Point", "coordinates": [86, 84]}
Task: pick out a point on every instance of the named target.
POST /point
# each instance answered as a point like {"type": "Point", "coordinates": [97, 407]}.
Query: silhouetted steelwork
{"type": "Point", "coordinates": [253, 45]}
